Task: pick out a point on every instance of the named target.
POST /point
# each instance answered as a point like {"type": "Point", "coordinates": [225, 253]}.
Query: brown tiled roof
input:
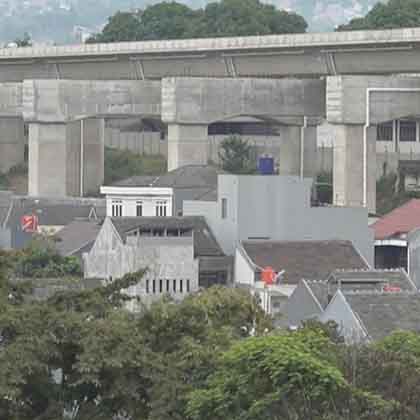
{"type": "Point", "coordinates": [403, 219]}
{"type": "Point", "coordinates": [313, 260]}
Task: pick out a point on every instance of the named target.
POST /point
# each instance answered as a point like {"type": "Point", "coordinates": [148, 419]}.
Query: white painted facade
{"type": "Point", "coordinates": [138, 201]}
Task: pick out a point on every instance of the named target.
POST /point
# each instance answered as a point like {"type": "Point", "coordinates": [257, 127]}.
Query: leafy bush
{"type": "Point", "coordinates": [41, 260]}
{"type": "Point", "coordinates": [121, 164]}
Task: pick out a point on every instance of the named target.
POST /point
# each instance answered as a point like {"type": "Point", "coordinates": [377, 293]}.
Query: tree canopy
{"type": "Point", "coordinates": [80, 355]}
{"type": "Point", "coordinates": [389, 15]}
{"type": "Point", "coordinates": [236, 156]}
{"type": "Point", "coordinates": [172, 20]}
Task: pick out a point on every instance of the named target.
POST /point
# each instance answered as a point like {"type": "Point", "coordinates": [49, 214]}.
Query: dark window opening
{"type": "Point", "coordinates": [408, 131]}
{"type": "Point", "coordinates": [385, 131]}
{"type": "Point", "coordinates": [224, 208]}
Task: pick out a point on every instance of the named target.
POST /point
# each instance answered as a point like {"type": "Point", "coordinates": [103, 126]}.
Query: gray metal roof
{"type": "Point", "coordinates": [77, 236]}
{"type": "Point", "coordinates": [383, 313]}
{"type": "Point", "coordinates": [313, 260]}
{"type": "Point", "coordinates": [205, 243]}
{"type": "Point", "coordinates": [351, 281]}
{"type": "Point", "coordinates": [55, 211]}
{"type": "Point", "coordinates": [189, 176]}
{"type": "Point", "coordinates": [6, 199]}
{"type": "Point", "coordinates": [361, 278]}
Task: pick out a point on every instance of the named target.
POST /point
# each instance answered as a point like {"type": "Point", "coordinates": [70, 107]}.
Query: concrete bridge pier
{"type": "Point", "coordinates": [66, 159]}
{"type": "Point", "coordinates": [355, 105]}
{"type": "Point", "coordinates": [12, 142]}
{"type": "Point", "coordinates": [350, 158]}
{"type": "Point", "coordinates": [190, 105]}
{"type": "Point", "coordinates": [298, 150]}
{"type": "Point", "coordinates": [187, 144]}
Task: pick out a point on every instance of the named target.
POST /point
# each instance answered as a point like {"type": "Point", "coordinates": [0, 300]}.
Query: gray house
{"type": "Point", "coordinates": [363, 316]}
{"type": "Point", "coordinates": [175, 251]}
{"type": "Point", "coordinates": [278, 208]}
{"type": "Point", "coordinates": [329, 299]}
{"type": "Point", "coordinates": [52, 214]}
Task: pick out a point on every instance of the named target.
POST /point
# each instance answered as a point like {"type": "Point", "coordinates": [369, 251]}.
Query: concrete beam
{"type": "Point", "coordinates": [203, 101]}
{"type": "Point", "coordinates": [65, 100]}
{"type": "Point", "coordinates": [11, 99]}
{"type": "Point", "coordinates": [347, 98]}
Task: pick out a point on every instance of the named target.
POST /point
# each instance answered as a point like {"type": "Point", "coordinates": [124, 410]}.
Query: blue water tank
{"type": "Point", "coordinates": [266, 166]}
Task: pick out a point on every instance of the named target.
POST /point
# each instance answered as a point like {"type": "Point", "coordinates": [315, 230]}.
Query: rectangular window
{"type": "Point", "coordinates": [188, 286]}
{"type": "Point", "coordinates": [160, 286]}
{"type": "Point", "coordinates": [161, 208]}
{"type": "Point", "coordinates": [174, 286]}
{"type": "Point", "coordinates": [147, 286]}
{"type": "Point", "coordinates": [181, 286]}
{"type": "Point", "coordinates": [154, 286]}
{"type": "Point", "coordinates": [116, 208]}
{"type": "Point", "coordinates": [139, 208]}
{"type": "Point", "coordinates": [224, 208]}
{"type": "Point", "coordinates": [167, 285]}
{"type": "Point", "coordinates": [385, 131]}
{"type": "Point", "coordinates": [408, 131]}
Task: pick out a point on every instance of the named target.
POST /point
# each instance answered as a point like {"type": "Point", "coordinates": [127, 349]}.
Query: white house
{"type": "Point", "coordinates": [138, 201]}
{"type": "Point", "coordinates": [161, 195]}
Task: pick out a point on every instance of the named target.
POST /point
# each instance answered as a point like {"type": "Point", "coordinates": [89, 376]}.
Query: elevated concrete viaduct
{"type": "Point", "coordinates": [349, 79]}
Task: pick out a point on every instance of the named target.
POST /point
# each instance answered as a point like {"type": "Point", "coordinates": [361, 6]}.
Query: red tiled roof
{"type": "Point", "coordinates": [403, 219]}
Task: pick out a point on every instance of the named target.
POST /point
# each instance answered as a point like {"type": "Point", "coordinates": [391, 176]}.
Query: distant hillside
{"type": "Point", "coordinates": [61, 21]}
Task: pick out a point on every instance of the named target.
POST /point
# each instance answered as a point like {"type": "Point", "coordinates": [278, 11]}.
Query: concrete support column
{"type": "Point", "coordinates": [12, 143]}
{"type": "Point", "coordinates": [66, 159]}
{"type": "Point", "coordinates": [47, 160]}
{"type": "Point", "coordinates": [298, 150]}
{"type": "Point", "coordinates": [349, 175]}
{"type": "Point", "coordinates": [187, 144]}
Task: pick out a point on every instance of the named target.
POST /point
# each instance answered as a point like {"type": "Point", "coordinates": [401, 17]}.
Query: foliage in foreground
{"type": "Point", "coordinates": [213, 356]}
{"type": "Point", "coordinates": [40, 260]}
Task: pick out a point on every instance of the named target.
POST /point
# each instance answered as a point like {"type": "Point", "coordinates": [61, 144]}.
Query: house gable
{"type": "Point", "coordinates": [302, 305]}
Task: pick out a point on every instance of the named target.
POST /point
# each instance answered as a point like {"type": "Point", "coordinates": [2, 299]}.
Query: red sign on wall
{"type": "Point", "coordinates": [29, 223]}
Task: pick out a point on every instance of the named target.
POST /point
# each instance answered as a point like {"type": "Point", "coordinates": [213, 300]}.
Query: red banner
{"type": "Point", "coordinates": [29, 223]}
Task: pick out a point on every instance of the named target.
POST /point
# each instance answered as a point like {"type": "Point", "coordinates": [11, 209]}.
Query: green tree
{"type": "Point", "coordinates": [172, 20]}
{"type": "Point", "coordinates": [248, 17]}
{"type": "Point", "coordinates": [40, 259]}
{"type": "Point", "coordinates": [236, 156]}
{"type": "Point", "coordinates": [286, 376]}
{"type": "Point", "coordinates": [388, 15]}
{"type": "Point", "coordinates": [26, 41]}
{"type": "Point", "coordinates": [123, 26]}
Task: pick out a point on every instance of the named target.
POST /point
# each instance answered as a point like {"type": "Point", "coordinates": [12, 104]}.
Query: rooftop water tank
{"type": "Point", "coordinates": [266, 165]}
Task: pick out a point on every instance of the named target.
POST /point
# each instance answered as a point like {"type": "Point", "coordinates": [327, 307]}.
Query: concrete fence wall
{"type": "Point", "coordinates": [142, 143]}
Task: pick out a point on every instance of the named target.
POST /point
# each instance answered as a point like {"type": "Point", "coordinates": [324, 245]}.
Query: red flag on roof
{"type": "Point", "coordinates": [268, 275]}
